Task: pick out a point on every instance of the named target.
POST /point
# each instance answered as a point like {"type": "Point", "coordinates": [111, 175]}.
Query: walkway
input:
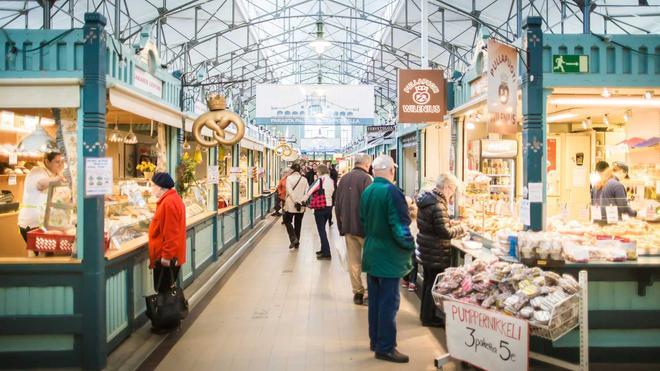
{"type": "Point", "coordinates": [287, 311]}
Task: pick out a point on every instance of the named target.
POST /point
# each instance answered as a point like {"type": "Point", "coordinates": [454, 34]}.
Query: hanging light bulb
{"type": "Point", "coordinates": [648, 94]}
{"type": "Point", "coordinates": [606, 120]}
{"type": "Point", "coordinates": [320, 43]}
{"type": "Point", "coordinates": [186, 145]}
{"type": "Point", "coordinates": [626, 116]}
{"type": "Point", "coordinates": [584, 124]}
{"type": "Point", "coordinates": [606, 93]}
{"type": "Point", "coordinates": [115, 136]}
{"type": "Point", "coordinates": [130, 138]}
{"type": "Point", "coordinates": [470, 125]}
{"type": "Point", "coordinates": [589, 121]}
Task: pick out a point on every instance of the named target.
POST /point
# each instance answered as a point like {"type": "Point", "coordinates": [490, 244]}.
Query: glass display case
{"type": "Point", "coordinates": [129, 211]}
{"type": "Point", "coordinates": [195, 200]}
{"type": "Point", "coordinates": [60, 213]}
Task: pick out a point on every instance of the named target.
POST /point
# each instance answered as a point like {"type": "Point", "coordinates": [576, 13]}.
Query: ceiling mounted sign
{"type": "Point", "coordinates": [502, 88]}
{"type": "Point", "coordinates": [421, 96]}
{"type": "Point", "coordinates": [217, 120]}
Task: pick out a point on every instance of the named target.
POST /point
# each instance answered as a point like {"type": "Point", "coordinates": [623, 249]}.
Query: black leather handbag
{"type": "Point", "coordinates": [167, 309]}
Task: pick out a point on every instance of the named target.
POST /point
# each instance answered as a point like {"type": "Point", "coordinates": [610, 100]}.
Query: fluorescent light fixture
{"type": "Point", "coordinates": [574, 101]}
{"type": "Point", "coordinates": [606, 93]}
{"type": "Point", "coordinates": [561, 117]}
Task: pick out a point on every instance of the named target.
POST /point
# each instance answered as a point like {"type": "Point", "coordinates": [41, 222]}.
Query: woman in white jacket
{"type": "Point", "coordinates": [294, 205]}
{"type": "Point", "coordinates": [320, 199]}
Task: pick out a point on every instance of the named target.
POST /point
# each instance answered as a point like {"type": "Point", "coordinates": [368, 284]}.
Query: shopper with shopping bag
{"type": "Point", "coordinates": [320, 196]}
{"type": "Point", "coordinates": [294, 205]}
{"type": "Point", "coordinates": [347, 208]}
{"type": "Point", "coordinates": [386, 259]}
{"type": "Point", "coordinates": [167, 252]}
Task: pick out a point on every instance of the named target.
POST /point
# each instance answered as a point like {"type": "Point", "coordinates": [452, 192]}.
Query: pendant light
{"type": "Point", "coordinates": [186, 145]}
{"type": "Point", "coordinates": [115, 136]}
{"type": "Point", "coordinates": [38, 141]}
{"type": "Point", "coordinates": [131, 138]}
{"type": "Point", "coordinates": [320, 43]}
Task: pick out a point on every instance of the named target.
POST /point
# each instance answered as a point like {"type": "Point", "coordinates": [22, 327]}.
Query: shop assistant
{"type": "Point", "coordinates": [609, 191]}
{"type": "Point", "coordinates": [35, 191]}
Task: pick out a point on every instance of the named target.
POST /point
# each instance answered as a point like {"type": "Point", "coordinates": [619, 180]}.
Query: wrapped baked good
{"type": "Point", "coordinates": [569, 284]}
{"type": "Point", "coordinates": [542, 317]}
{"type": "Point", "coordinates": [526, 312]}
{"type": "Point", "coordinates": [489, 301]}
{"type": "Point", "coordinates": [551, 278]}
{"type": "Point", "coordinates": [537, 302]}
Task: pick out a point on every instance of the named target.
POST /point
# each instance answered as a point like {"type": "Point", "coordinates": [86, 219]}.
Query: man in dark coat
{"type": "Point", "coordinates": [434, 240]}
{"type": "Point", "coordinates": [347, 207]}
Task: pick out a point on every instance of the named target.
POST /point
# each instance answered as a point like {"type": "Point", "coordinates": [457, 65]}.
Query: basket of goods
{"type": "Point", "coordinates": [547, 300]}
{"type": "Point", "coordinates": [55, 241]}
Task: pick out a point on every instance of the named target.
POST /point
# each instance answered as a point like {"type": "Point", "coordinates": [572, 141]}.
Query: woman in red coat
{"type": "Point", "coordinates": [167, 232]}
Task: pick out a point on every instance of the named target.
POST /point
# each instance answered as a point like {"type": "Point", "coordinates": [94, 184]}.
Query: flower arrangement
{"type": "Point", "coordinates": [146, 167]}
{"type": "Point", "coordinates": [186, 171]}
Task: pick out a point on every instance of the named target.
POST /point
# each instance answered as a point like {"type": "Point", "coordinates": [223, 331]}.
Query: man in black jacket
{"type": "Point", "coordinates": [436, 231]}
{"type": "Point", "coordinates": [347, 208]}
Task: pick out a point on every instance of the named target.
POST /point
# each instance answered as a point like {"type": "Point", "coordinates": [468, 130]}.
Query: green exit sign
{"type": "Point", "coordinates": [570, 63]}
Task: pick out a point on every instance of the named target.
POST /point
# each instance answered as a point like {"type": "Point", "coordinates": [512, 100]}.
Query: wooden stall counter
{"type": "Point", "coordinates": [12, 243]}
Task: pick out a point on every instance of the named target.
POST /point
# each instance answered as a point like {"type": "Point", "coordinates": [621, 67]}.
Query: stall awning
{"type": "Point", "coordinates": [130, 101]}
{"type": "Point", "coordinates": [40, 93]}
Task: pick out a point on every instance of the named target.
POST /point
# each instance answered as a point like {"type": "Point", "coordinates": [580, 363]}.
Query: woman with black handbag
{"type": "Point", "coordinates": [320, 200]}
{"type": "Point", "coordinates": [167, 252]}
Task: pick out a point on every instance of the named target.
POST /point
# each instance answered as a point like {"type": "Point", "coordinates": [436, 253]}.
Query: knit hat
{"type": "Point", "coordinates": [163, 180]}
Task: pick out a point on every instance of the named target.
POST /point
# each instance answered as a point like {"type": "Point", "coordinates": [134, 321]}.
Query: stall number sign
{"type": "Point", "coordinates": [486, 339]}
{"type": "Point", "coordinates": [570, 63]}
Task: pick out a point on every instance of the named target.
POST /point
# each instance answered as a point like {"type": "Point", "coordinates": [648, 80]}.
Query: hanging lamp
{"type": "Point", "coordinates": [116, 136]}
{"type": "Point", "coordinates": [38, 141]}
{"type": "Point", "coordinates": [131, 138]}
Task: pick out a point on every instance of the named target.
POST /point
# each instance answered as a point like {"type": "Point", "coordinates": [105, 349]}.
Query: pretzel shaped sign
{"type": "Point", "coordinates": [284, 150]}
{"type": "Point", "coordinates": [217, 121]}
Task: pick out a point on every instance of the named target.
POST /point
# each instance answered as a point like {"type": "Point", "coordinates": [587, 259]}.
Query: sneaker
{"type": "Point", "coordinates": [412, 287]}
{"type": "Point", "coordinates": [323, 257]}
{"type": "Point", "coordinates": [358, 299]}
{"type": "Point", "coordinates": [393, 356]}
{"type": "Point", "coordinates": [277, 213]}
{"type": "Point", "coordinates": [319, 253]}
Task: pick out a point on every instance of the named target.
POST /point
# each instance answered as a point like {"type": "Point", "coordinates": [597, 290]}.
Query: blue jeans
{"type": "Point", "coordinates": [384, 301]}
{"type": "Point", "coordinates": [321, 216]}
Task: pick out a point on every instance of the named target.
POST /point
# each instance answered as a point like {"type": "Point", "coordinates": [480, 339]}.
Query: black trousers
{"type": "Point", "coordinates": [278, 204]}
{"type": "Point", "coordinates": [293, 230]}
{"type": "Point", "coordinates": [427, 310]}
{"type": "Point", "coordinates": [169, 279]}
{"type": "Point", "coordinates": [24, 232]}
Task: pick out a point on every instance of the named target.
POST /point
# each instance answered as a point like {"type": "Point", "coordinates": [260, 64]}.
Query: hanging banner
{"type": "Point", "coordinates": [485, 338]}
{"type": "Point", "coordinates": [502, 88]}
{"type": "Point", "coordinates": [380, 134]}
{"type": "Point", "coordinates": [315, 105]}
{"type": "Point", "coordinates": [421, 96]}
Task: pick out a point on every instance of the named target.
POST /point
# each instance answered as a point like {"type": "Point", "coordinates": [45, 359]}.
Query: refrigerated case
{"type": "Point", "coordinates": [496, 158]}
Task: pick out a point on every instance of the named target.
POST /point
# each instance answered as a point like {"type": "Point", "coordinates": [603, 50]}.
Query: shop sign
{"type": "Point", "coordinates": [98, 176]}
{"type": "Point", "coordinates": [213, 175]}
{"type": "Point", "coordinates": [422, 96]}
{"type": "Point", "coordinates": [499, 148]}
{"type": "Point", "coordinates": [478, 87]}
{"type": "Point", "coordinates": [570, 63]}
{"type": "Point", "coordinates": [147, 82]}
{"type": "Point", "coordinates": [485, 338]}
{"type": "Point", "coordinates": [409, 141]}
{"type": "Point", "coordinates": [502, 88]}
{"type": "Point", "coordinates": [379, 134]}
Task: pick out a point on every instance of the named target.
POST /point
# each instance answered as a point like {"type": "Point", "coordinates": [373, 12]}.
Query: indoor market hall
{"type": "Point", "coordinates": [330, 185]}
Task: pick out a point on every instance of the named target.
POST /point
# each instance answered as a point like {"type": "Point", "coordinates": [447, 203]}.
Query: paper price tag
{"type": "Point", "coordinates": [525, 212]}
{"type": "Point", "coordinates": [584, 213]}
{"type": "Point", "coordinates": [213, 175]}
{"type": "Point", "coordinates": [13, 159]}
{"type": "Point", "coordinates": [468, 259]}
{"type": "Point", "coordinates": [564, 212]}
{"type": "Point", "coordinates": [535, 192]}
{"type": "Point", "coordinates": [596, 213]}
{"type": "Point", "coordinates": [12, 180]}
{"type": "Point", "coordinates": [612, 214]}
{"type": "Point", "coordinates": [485, 338]}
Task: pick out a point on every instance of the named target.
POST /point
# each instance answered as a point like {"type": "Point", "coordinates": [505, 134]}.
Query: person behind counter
{"type": "Point", "coordinates": [167, 235]}
{"type": "Point", "coordinates": [35, 192]}
{"type": "Point", "coordinates": [609, 191]}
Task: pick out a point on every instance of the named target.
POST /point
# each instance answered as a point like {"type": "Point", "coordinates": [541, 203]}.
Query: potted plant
{"type": "Point", "coordinates": [147, 168]}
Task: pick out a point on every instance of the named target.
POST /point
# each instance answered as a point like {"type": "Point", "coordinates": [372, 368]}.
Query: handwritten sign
{"type": "Point", "coordinates": [11, 180]}
{"type": "Point", "coordinates": [13, 159]}
{"type": "Point", "coordinates": [525, 212]}
{"type": "Point", "coordinates": [535, 192]}
{"type": "Point", "coordinates": [213, 175]}
{"type": "Point", "coordinates": [486, 339]}
{"type": "Point", "coordinates": [234, 174]}
{"type": "Point", "coordinates": [612, 214]}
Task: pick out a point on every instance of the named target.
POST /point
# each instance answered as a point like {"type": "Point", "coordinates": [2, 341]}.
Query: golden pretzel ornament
{"type": "Point", "coordinates": [283, 149]}
{"type": "Point", "coordinates": [217, 120]}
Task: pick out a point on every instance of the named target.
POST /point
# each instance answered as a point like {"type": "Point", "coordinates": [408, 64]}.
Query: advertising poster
{"type": "Point", "coordinates": [421, 96]}
{"type": "Point", "coordinates": [315, 105]}
{"type": "Point", "coordinates": [502, 88]}
{"type": "Point", "coordinates": [380, 134]}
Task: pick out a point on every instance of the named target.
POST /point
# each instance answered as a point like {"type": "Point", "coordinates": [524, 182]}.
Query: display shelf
{"type": "Point", "coordinates": [227, 209]}
{"type": "Point", "coordinates": [8, 175]}
{"type": "Point", "coordinates": [127, 247]}
{"type": "Point", "coordinates": [40, 260]}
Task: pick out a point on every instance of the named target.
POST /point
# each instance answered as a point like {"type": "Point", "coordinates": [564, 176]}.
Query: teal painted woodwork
{"type": "Point", "coordinates": [187, 268]}
{"type": "Point", "coordinates": [229, 227]}
{"type": "Point", "coordinates": [627, 338]}
{"type": "Point", "coordinates": [203, 245]}
{"type": "Point", "coordinates": [622, 295]}
{"type": "Point", "coordinates": [35, 343]}
{"type": "Point", "coordinates": [610, 63]}
{"type": "Point", "coordinates": [116, 301]}
{"type": "Point", "coordinates": [61, 58]}
{"type": "Point", "coordinates": [36, 301]}
{"type": "Point", "coordinates": [142, 286]}
{"type": "Point", "coordinates": [259, 208]}
{"type": "Point", "coordinates": [245, 217]}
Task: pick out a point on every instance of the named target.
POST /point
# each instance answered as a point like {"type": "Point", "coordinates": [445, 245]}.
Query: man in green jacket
{"type": "Point", "coordinates": [386, 258]}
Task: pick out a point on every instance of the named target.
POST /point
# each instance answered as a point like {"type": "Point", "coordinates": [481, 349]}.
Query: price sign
{"type": "Point", "coordinates": [234, 174]}
{"type": "Point", "coordinates": [486, 339]}
{"type": "Point", "coordinates": [612, 214]}
{"type": "Point", "coordinates": [596, 213]}
{"type": "Point", "coordinates": [13, 159]}
{"type": "Point", "coordinates": [535, 192]}
{"type": "Point", "coordinates": [525, 212]}
{"type": "Point", "coordinates": [11, 180]}
{"type": "Point", "coordinates": [98, 176]}
{"type": "Point", "coordinates": [584, 213]}
{"type": "Point", "coordinates": [213, 175]}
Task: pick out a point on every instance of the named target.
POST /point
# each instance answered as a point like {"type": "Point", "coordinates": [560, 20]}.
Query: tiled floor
{"type": "Point", "coordinates": [287, 311]}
